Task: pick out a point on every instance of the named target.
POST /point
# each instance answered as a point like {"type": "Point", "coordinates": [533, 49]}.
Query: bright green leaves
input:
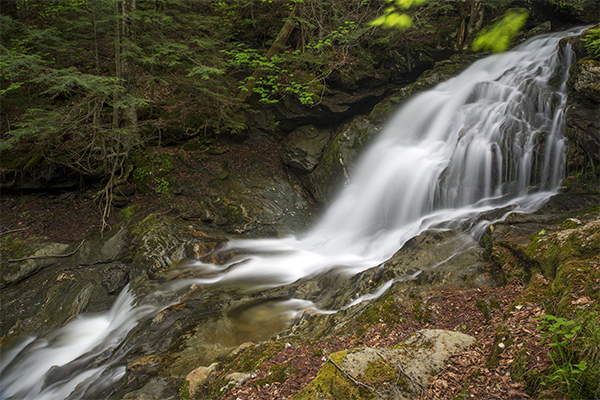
{"type": "Point", "coordinates": [560, 334]}
{"type": "Point", "coordinates": [498, 37]}
{"type": "Point", "coordinates": [275, 80]}
{"type": "Point", "coordinates": [406, 4]}
{"type": "Point", "coordinates": [395, 19]}
{"type": "Point", "coordinates": [337, 36]}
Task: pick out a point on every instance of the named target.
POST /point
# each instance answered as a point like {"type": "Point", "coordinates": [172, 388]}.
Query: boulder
{"type": "Point", "coordinates": [401, 372]}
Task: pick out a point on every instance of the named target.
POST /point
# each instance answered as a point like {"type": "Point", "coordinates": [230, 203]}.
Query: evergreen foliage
{"type": "Point", "coordinates": [84, 84]}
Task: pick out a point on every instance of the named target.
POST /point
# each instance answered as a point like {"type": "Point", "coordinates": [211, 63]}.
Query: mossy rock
{"type": "Point", "coordinates": [399, 372]}
{"type": "Point", "coordinates": [551, 250]}
{"type": "Point", "coordinates": [332, 384]}
{"type": "Point", "coordinates": [129, 212]}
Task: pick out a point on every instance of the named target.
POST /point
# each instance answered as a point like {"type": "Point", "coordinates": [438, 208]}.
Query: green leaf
{"type": "Point", "coordinates": [406, 4]}
{"type": "Point", "coordinates": [498, 37]}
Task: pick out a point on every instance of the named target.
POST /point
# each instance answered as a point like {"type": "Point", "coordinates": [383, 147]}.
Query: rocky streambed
{"type": "Point", "coordinates": [227, 341]}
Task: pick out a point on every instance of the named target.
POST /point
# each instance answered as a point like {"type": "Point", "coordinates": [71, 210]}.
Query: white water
{"type": "Point", "coordinates": [488, 138]}
{"type": "Point", "coordinates": [469, 145]}
{"type": "Point", "coordinates": [24, 368]}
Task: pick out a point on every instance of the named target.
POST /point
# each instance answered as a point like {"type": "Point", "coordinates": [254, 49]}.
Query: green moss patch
{"type": "Point", "coordinates": [331, 384]}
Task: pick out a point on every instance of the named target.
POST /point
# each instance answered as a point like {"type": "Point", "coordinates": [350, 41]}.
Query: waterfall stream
{"type": "Point", "coordinates": [488, 138]}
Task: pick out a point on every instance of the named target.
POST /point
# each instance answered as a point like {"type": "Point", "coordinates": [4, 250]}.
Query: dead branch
{"type": "Point", "coordinates": [14, 230]}
{"type": "Point", "coordinates": [357, 383]}
{"type": "Point", "coordinates": [47, 256]}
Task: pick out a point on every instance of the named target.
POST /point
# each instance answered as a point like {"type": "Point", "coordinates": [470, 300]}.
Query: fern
{"type": "Point", "coordinates": [592, 42]}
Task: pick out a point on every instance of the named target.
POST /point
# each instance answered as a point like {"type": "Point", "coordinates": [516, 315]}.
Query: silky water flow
{"type": "Point", "coordinates": [488, 138]}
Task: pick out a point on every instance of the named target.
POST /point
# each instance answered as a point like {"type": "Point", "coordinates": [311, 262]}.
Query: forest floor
{"type": "Point", "coordinates": [481, 372]}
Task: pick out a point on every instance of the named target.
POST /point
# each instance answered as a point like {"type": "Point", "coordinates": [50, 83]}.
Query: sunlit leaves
{"type": "Point", "coordinates": [406, 4]}
{"type": "Point", "coordinates": [395, 19]}
{"type": "Point", "coordinates": [498, 37]}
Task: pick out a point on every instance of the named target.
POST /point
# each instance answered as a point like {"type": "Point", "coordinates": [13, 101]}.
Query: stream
{"type": "Point", "coordinates": [489, 138]}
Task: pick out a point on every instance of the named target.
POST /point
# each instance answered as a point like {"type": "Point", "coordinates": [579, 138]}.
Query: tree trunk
{"type": "Point", "coordinates": [128, 74]}
{"type": "Point", "coordinates": [475, 21]}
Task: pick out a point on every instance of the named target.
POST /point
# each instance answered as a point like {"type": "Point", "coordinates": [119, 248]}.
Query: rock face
{"type": "Point", "coordinates": [337, 162]}
{"type": "Point", "coordinates": [304, 148]}
{"type": "Point", "coordinates": [389, 373]}
{"type": "Point", "coordinates": [583, 118]}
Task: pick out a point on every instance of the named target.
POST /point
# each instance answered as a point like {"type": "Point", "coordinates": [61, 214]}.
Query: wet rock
{"type": "Point", "coordinates": [435, 258]}
{"type": "Point", "coordinates": [305, 147]}
{"type": "Point", "coordinates": [333, 171]}
{"type": "Point", "coordinates": [236, 379]}
{"type": "Point", "coordinates": [441, 72]}
{"type": "Point", "coordinates": [389, 373]}
{"type": "Point", "coordinates": [333, 109]}
{"type": "Point", "coordinates": [583, 118]}
{"type": "Point", "coordinates": [15, 271]}
{"type": "Point", "coordinates": [157, 388]}
{"type": "Point", "coordinates": [115, 277]}
{"type": "Point", "coordinates": [587, 80]}
{"type": "Point", "coordinates": [259, 203]}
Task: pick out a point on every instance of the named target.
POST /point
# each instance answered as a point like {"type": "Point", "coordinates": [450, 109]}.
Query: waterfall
{"type": "Point", "coordinates": [491, 137]}
{"type": "Point", "coordinates": [488, 138]}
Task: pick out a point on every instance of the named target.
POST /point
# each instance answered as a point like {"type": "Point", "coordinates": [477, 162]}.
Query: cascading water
{"type": "Point", "coordinates": [488, 138]}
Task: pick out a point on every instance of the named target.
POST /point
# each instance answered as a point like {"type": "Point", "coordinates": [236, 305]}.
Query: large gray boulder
{"type": "Point", "coordinates": [401, 372]}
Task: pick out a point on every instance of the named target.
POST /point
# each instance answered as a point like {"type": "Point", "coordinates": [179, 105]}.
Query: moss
{"type": "Point", "coordinates": [252, 357]}
{"type": "Point", "coordinates": [483, 309]}
{"type": "Point", "coordinates": [378, 373]}
{"type": "Point", "coordinates": [502, 341]}
{"type": "Point", "coordinates": [129, 212]}
{"type": "Point", "coordinates": [572, 276]}
{"type": "Point", "coordinates": [519, 366]}
{"type": "Point", "coordinates": [384, 310]}
{"type": "Point", "coordinates": [220, 174]}
{"type": "Point", "coordinates": [276, 373]}
{"type": "Point", "coordinates": [422, 311]}
{"type": "Point", "coordinates": [150, 170]}
{"type": "Point", "coordinates": [245, 361]}
{"type": "Point", "coordinates": [184, 391]}
{"type": "Point", "coordinates": [554, 249]}
{"type": "Point", "coordinates": [331, 384]}
{"type": "Point", "coordinates": [14, 248]}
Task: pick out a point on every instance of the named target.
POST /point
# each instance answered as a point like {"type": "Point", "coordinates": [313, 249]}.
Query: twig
{"type": "Point", "coordinates": [352, 379]}
{"type": "Point", "coordinates": [14, 230]}
{"type": "Point", "coordinates": [47, 256]}
{"type": "Point", "coordinates": [411, 380]}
